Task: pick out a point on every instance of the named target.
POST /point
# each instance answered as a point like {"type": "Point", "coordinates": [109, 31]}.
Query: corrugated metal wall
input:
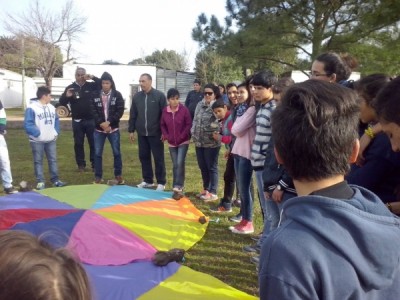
{"type": "Point", "coordinates": [183, 81]}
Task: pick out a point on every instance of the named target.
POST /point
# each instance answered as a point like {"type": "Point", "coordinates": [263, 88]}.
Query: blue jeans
{"type": "Point", "coordinates": [261, 196]}
{"type": "Point", "coordinates": [207, 159]}
{"type": "Point", "coordinates": [6, 176]}
{"type": "Point", "coordinates": [152, 145]}
{"type": "Point", "coordinates": [80, 129]}
{"type": "Point", "coordinates": [244, 172]}
{"type": "Point", "coordinates": [272, 218]}
{"type": "Point", "coordinates": [38, 151]}
{"type": "Point", "coordinates": [178, 156]}
{"type": "Point", "coordinates": [99, 140]}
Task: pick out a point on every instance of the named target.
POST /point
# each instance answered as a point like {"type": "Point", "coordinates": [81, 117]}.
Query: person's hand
{"type": "Point", "coordinates": [365, 140]}
{"type": "Point", "coordinates": [163, 138]}
{"type": "Point", "coordinates": [88, 76]}
{"type": "Point", "coordinates": [70, 92]}
{"type": "Point", "coordinates": [267, 195]}
{"type": "Point", "coordinates": [216, 136]}
{"type": "Point", "coordinates": [277, 195]}
{"type": "Point", "coordinates": [226, 154]}
{"type": "Point", "coordinates": [132, 136]}
{"type": "Point", "coordinates": [105, 125]}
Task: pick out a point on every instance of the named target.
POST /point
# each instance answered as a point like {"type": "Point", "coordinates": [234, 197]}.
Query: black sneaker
{"type": "Point", "coordinates": [10, 190]}
{"type": "Point", "coordinates": [252, 248]}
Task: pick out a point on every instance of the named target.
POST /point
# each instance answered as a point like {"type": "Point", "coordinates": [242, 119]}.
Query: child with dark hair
{"type": "Point", "coordinates": [175, 127]}
{"type": "Point", "coordinates": [244, 130]}
{"type": "Point", "coordinates": [42, 126]}
{"type": "Point", "coordinates": [224, 135]}
{"type": "Point", "coordinates": [222, 91]}
{"type": "Point", "coordinates": [108, 107]}
{"type": "Point", "coordinates": [278, 185]}
{"type": "Point", "coordinates": [207, 148]}
{"type": "Point", "coordinates": [380, 169]}
{"type": "Point", "coordinates": [32, 269]}
{"type": "Point", "coordinates": [333, 237]}
{"type": "Point", "coordinates": [264, 96]}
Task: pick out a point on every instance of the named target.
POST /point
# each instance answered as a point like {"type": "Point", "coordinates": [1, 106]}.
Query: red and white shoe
{"type": "Point", "coordinates": [238, 225]}
{"type": "Point", "coordinates": [245, 228]}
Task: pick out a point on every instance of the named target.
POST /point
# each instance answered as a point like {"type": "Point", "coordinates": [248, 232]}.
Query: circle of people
{"type": "Point", "coordinates": [324, 153]}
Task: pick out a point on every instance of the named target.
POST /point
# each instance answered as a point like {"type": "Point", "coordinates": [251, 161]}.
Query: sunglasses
{"type": "Point", "coordinates": [208, 93]}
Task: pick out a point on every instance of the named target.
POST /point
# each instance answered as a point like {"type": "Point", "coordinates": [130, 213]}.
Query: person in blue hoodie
{"type": "Point", "coordinates": [42, 125]}
{"type": "Point", "coordinates": [335, 241]}
{"type": "Point", "coordinates": [380, 169]}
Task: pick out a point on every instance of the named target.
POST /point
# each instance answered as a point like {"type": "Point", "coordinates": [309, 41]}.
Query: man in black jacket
{"type": "Point", "coordinates": [108, 108]}
{"type": "Point", "coordinates": [79, 95]}
{"type": "Point", "coordinates": [194, 97]}
{"type": "Point", "coordinates": [144, 117]}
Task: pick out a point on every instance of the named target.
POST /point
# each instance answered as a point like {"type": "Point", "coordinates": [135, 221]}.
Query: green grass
{"type": "Point", "coordinates": [219, 253]}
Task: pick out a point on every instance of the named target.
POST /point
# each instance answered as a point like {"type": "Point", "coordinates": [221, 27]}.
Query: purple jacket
{"type": "Point", "coordinates": [175, 127]}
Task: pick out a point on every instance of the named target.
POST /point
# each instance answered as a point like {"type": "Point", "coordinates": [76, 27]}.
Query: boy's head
{"type": "Point", "coordinates": [107, 82]}
{"type": "Point", "coordinates": [220, 109]}
{"type": "Point", "coordinates": [281, 86]}
{"type": "Point", "coordinates": [387, 107]}
{"type": "Point", "coordinates": [315, 130]}
{"type": "Point", "coordinates": [262, 83]}
{"type": "Point", "coordinates": [173, 97]}
{"type": "Point", "coordinates": [43, 93]}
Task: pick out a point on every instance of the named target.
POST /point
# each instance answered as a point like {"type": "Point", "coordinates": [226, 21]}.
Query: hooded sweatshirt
{"type": "Point", "coordinates": [41, 122]}
{"type": "Point", "coordinates": [333, 249]}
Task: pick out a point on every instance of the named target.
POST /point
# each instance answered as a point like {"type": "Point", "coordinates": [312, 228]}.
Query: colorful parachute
{"type": "Point", "coordinates": [115, 231]}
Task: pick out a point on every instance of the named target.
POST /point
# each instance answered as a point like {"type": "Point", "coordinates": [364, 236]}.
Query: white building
{"type": "Point", "coordinates": [11, 89]}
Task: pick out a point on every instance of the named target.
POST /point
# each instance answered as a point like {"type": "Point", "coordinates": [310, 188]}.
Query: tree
{"type": "Point", "coordinates": [47, 37]}
{"type": "Point", "coordinates": [168, 59]}
{"type": "Point", "coordinates": [212, 67]}
{"type": "Point", "coordinates": [287, 32]}
{"type": "Point", "coordinates": [110, 62]}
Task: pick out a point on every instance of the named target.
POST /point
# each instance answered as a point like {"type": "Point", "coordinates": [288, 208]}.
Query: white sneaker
{"type": "Point", "coordinates": [160, 187]}
{"type": "Point", "coordinates": [177, 189]}
{"type": "Point", "coordinates": [145, 185]}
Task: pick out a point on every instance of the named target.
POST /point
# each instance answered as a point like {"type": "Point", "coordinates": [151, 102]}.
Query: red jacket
{"type": "Point", "coordinates": [175, 127]}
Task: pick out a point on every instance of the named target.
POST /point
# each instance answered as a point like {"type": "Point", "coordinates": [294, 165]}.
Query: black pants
{"type": "Point", "coordinates": [152, 145]}
{"type": "Point", "coordinates": [229, 180]}
{"type": "Point", "coordinates": [81, 129]}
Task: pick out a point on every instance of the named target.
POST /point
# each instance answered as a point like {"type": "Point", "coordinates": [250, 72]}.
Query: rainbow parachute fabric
{"type": "Point", "coordinates": [115, 231]}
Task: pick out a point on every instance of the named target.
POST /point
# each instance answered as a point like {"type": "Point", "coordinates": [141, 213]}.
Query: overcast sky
{"type": "Point", "coordinates": [123, 30]}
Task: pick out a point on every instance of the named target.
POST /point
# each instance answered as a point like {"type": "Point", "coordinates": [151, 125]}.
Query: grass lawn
{"type": "Point", "coordinates": [219, 253]}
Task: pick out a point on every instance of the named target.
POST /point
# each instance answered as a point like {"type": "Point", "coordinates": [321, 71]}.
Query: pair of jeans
{"type": "Point", "coordinates": [207, 159]}
{"type": "Point", "coordinates": [178, 157]}
{"type": "Point", "coordinates": [38, 151]}
{"type": "Point", "coordinates": [5, 167]}
{"type": "Point", "coordinates": [261, 196]}
{"type": "Point", "coordinates": [80, 130]}
{"type": "Point", "coordinates": [99, 140]}
{"type": "Point", "coordinates": [152, 145]}
{"type": "Point", "coordinates": [229, 180]}
{"type": "Point", "coordinates": [272, 218]}
{"type": "Point", "coordinates": [244, 172]}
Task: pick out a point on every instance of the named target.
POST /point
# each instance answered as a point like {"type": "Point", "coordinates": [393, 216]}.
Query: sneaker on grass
{"type": "Point", "coordinates": [59, 183]}
{"type": "Point", "coordinates": [160, 187]}
{"type": "Point", "coordinates": [145, 185]}
{"type": "Point", "coordinates": [119, 180]}
{"type": "Point", "coordinates": [252, 248]}
{"type": "Point", "coordinates": [202, 193]}
{"type": "Point", "coordinates": [244, 227]}
{"type": "Point", "coordinates": [40, 186]}
{"type": "Point", "coordinates": [10, 190]}
{"type": "Point", "coordinates": [236, 219]}
{"type": "Point", "coordinates": [209, 197]}
{"type": "Point", "coordinates": [222, 208]}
